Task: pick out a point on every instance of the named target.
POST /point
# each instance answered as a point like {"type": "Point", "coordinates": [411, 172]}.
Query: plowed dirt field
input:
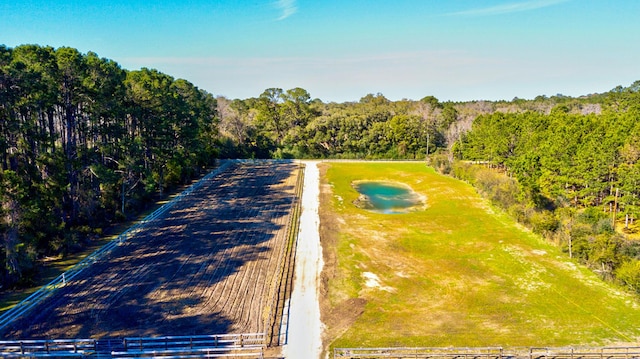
{"type": "Point", "coordinates": [206, 266]}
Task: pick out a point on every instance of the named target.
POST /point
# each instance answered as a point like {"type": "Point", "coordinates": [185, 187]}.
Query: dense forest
{"type": "Point", "coordinates": [86, 144]}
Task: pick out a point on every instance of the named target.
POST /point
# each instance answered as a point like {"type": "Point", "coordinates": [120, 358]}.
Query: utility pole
{"type": "Point", "coordinates": [122, 192]}
{"type": "Point", "coordinates": [615, 210]}
{"type": "Point", "coordinates": [426, 159]}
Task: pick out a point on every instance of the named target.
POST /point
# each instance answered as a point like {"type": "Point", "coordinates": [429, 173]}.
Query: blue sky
{"type": "Point", "coordinates": [341, 50]}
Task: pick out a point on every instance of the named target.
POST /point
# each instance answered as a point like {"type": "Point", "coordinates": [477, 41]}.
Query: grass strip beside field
{"type": "Point", "coordinates": [458, 273]}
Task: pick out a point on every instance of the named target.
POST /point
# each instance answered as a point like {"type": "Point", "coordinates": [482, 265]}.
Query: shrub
{"type": "Point", "coordinates": [544, 222]}
{"type": "Point", "coordinates": [628, 275]}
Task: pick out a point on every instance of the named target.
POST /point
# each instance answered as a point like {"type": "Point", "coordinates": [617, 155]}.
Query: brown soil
{"type": "Point", "coordinates": [207, 266]}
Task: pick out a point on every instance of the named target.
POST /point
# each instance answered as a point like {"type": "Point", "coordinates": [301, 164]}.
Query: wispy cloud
{"type": "Point", "coordinates": [399, 74]}
{"type": "Point", "coordinates": [288, 8]}
{"type": "Point", "coordinates": [457, 75]}
{"type": "Point", "coordinates": [508, 8]}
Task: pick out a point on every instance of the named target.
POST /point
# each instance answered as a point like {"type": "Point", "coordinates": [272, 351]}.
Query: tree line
{"type": "Point", "coordinates": [84, 143]}
{"type": "Point", "coordinates": [572, 177]}
{"type": "Point", "coordinates": [288, 124]}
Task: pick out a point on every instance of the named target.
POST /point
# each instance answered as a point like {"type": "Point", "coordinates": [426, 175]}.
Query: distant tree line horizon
{"type": "Point", "coordinates": [86, 144]}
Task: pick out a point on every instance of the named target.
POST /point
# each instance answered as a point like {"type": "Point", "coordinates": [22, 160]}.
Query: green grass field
{"type": "Point", "coordinates": [458, 273]}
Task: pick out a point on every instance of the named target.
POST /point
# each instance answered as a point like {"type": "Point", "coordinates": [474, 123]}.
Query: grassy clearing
{"type": "Point", "coordinates": [459, 273]}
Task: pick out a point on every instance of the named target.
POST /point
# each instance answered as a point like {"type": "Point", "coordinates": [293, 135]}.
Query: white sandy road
{"type": "Point", "coordinates": [305, 327]}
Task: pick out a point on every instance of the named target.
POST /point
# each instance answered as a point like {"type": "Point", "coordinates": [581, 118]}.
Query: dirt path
{"type": "Point", "coordinates": [305, 327]}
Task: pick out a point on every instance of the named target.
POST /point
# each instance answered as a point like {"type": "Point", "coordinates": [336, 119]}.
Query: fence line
{"type": "Point", "coordinates": [211, 346]}
{"type": "Point", "coordinates": [224, 341]}
{"type": "Point", "coordinates": [281, 284]}
{"type": "Point", "coordinates": [585, 352]}
{"type": "Point", "coordinates": [420, 352]}
{"type": "Point", "coordinates": [60, 347]}
{"type": "Point", "coordinates": [45, 291]}
{"type": "Point", "coordinates": [630, 352]}
{"type": "Point", "coordinates": [257, 353]}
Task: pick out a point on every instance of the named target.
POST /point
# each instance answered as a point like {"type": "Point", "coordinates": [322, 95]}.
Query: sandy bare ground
{"type": "Point", "coordinates": [205, 267]}
{"type": "Point", "coordinates": [305, 326]}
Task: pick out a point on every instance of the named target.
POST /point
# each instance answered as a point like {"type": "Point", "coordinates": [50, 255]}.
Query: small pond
{"type": "Point", "coordinates": [386, 197]}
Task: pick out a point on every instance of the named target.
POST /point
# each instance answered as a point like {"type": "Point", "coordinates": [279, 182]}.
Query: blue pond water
{"type": "Point", "coordinates": [385, 197]}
